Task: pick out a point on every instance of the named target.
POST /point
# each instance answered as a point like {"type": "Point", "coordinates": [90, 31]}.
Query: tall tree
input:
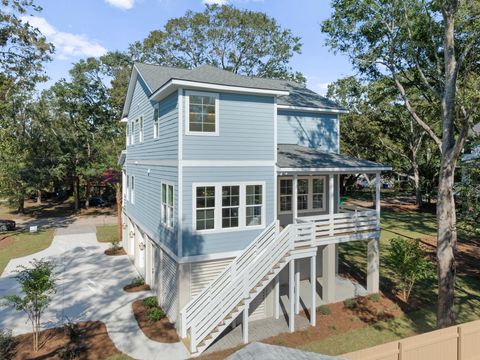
{"type": "Point", "coordinates": [433, 47]}
{"type": "Point", "coordinates": [242, 41]}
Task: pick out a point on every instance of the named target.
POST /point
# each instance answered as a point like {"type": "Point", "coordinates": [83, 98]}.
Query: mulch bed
{"type": "Point", "coordinates": [93, 343]}
{"type": "Point", "coordinates": [119, 251]}
{"type": "Point", "coordinates": [136, 288]}
{"type": "Point", "coordinates": [162, 330]}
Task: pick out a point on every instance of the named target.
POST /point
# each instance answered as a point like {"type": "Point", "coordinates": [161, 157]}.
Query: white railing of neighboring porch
{"type": "Point", "coordinates": [205, 316]}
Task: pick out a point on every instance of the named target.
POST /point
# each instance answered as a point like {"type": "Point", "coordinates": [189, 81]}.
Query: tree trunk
{"type": "Point", "coordinates": [416, 182]}
{"type": "Point", "coordinates": [446, 244]}
{"type": "Point", "coordinates": [76, 193]}
{"type": "Point", "coordinates": [118, 198]}
{"type": "Point", "coordinates": [21, 203]}
{"type": "Point", "coordinates": [87, 194]}
{"type": "Point", "coordinates": [39, 197]}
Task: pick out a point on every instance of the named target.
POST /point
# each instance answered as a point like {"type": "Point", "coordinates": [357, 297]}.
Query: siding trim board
{"type": "Point", "coordinates": [180, 171]}
{"type": "Point", "coordinates": [312, 109]}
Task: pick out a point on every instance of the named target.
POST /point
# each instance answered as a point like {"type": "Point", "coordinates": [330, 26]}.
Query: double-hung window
{"type": "Point", "coordinates": [205, 207]}
{"type": "Point", "coordinates": [132, 190]}
{"type": "Point", "coordinates": [132, 132]}
{"type": "Point", "coordinates": [128, 187]}
{"type": "Point", "coordinates": [140, 130]}
{"type": "Point", "coordinates": [230, 206]}
{"type": "Point", "coordinates": [128, 133]}
{"type": "Point", "coordinates": [156, 122]}
{"type": "Point", "coordinates": [202, 113]}
{"type": "Point", "coordinates": [318, 193]}
{"type": "Point", "coordinates": [254, 205]}
{"type": "Point", "coordinates": [286, 193]}
{"type": "Point", "coordinates": [302, 194]}
{"type": "Point", "coordinates": [167, 205]}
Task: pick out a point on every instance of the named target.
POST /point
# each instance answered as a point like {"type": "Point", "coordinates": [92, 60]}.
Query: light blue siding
{"type": "Point", "coordinates": [310, 129]}
{"type": "Point", "coordinates": [146, 209]}
{"type": "Point", "coordinates": [245, 131]}
{"type": "Point", "coordinates": [165, 147]}
{"type": "Point", "coordinates": [201, 244]}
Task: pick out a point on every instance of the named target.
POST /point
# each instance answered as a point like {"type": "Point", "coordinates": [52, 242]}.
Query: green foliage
{"type": "Point", "coordinates": [155, 314]}
{"type": "Point", "coordinates": [150, 302]}
{"type": "Point", "coordinates": [408, 263]}
{"type": "Point", "coordinates": [324, 310]}
{"type": "Point", "coordinates": [351, 304]}
{"type": "Point", "coordinates": [138, 281]}
{"type": "Point", "coordinates": [71, 329]}
{"type": "Point", "coordinates": [7, 344]}
{"type": "Point", "coordinates": [37, 283]}
{"type": "Point", "coordinates": [242, 41]}
{"type": "Point", "coordinates": [375, 297]}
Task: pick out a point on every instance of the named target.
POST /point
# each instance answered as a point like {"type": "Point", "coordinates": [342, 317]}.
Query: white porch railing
{"type": "Point", "coordinates": [207, 315]}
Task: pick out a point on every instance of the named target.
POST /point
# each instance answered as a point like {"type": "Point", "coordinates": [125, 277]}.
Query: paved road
{"type": "Point", "coordinates": [89, 288]}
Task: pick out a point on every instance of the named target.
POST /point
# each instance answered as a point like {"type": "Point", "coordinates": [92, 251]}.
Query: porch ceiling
{"type": "Point", "coordinates": [296, 158]}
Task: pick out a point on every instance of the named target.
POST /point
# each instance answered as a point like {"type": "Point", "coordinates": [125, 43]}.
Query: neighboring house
{"type": "Point", "coordinates": [231, 189]}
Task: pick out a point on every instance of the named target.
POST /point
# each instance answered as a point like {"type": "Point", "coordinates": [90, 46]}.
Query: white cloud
{"type": "Point", "coordinates": [122, 4]}
{"type": "Point", "coordinates": [321, 88]}
{"type": "Point", "coordinates": [218, 2]}
{"type": "Point", "coordinates": [67, 45]}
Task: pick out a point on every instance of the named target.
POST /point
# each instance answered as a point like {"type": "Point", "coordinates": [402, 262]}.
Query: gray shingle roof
{"type": "Point", "coordinates": [259, 351]}
{"type": "Point", "coordinates": [296, 156]}
{"type": "Point", "coordinates": [155, 76]}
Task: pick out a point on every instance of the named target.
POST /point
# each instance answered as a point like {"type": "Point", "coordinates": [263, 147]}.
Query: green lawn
{"type": "Point", "coordinates": [407, 224]}
{"type": "Point", "coordinates": [107, 233]}
{"type": "Point", "coordinates": [23, 244]}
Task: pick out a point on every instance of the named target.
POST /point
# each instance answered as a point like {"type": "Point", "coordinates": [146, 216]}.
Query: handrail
{"type": "Point", "coordinates": [232, 288]}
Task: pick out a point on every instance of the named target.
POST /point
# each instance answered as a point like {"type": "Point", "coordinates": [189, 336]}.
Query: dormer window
{"type": "Point", "coordinates": [202, 113]}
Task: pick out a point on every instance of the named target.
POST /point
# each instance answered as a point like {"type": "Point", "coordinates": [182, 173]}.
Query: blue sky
{"type": "Point", "coordinates": [91, 27]}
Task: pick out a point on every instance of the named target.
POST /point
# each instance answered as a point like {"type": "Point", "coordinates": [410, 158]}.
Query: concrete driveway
{"type": "Point", "coordinates": [89, 288]}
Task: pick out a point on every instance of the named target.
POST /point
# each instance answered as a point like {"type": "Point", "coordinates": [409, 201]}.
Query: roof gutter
{"type": "Point", "coordinates": [173, 84]}
{"type": "Point", "coordinates": [312, 109]}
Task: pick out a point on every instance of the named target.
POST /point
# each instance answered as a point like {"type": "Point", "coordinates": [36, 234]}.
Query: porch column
{"type": "Point", "coordinates": [294, 198]}
{"type": "Point", "coordinates": [328, 273]}
{"type": "Point", "coordinates": [297, 288]}
{"type": "Point", "coordinates": [291, 295]}
{"type": "Point", "coordinates": [313, 283]}
{"type": "Point", "coordinates": [373, 247]}
{"type": "Point", "coordinates": [245, 324]}
{"type": "Point", "coordinates": [277, 297]}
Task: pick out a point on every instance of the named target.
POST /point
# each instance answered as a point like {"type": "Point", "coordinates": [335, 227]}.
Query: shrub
{"type": "Point", "coordinates": [71, 352]}
{"type": "Point", "coordinates": [155, 314]}
{"type": "Point", "coordinates": [375, 297]}
{"type": "Point", "coordinates": [324, 310]}
{"type": "Point", "coordinates": [150, 302]}
{"type": "Point", "coordinates": [115, 245]}
{"type": "Point", "coordinates": [351, 304]}
{"type": "Point", "coordinates": [7, 343]}
{"type": "Point", "coordinates": [408, 263]}
{"type": "Point", "coordinates": [138, 281]}
{"type": "Point", "coordinates": [71, 330]}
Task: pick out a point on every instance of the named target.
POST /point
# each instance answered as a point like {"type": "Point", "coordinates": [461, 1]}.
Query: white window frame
{"type": "Point", "coordinates": [167, 212]}
{"type": "Point", "coordinates": [132, 189]}
{"type": "Point", "coordinates": [128, 188]}
{"type": "Point", "coordinates": [188, 93]}
{"type": "Point", "coordinates": [141, 130]}
{"type": "Point", "coordinates": [132, 132]}
{"type": "Point", "coordinates": [128, 133]}
{"type": "Point", "coordinates": [310, 208]}
{"type": "Point", "coordinates": [156, 121]}
{"type": "Point", "coordinates": [218, 206]}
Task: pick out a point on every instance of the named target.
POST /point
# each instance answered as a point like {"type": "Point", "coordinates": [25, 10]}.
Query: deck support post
{"type": "Point", "coordinates": [328, 273]}
{"type": "Point", "coordinates": [295, 198]}
{"type": "Point", "coordinates": [297, 288]}
{"type": "Point", "coordinates": [245, 324]}
{"type": "Point", "coordinates": [313, 283]}
{"type": "Point", "coordinates": [373, 248]}
{"type": "Point", "coordinates": [377, 198]}
{"type": "Point", "coordinates": [277, 297]}
{"type": "Point", "coordinates": [291, 296]}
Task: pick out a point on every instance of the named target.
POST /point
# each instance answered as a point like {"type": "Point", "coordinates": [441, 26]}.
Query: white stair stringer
{"type": "Point", "coordinates": [215, 308]}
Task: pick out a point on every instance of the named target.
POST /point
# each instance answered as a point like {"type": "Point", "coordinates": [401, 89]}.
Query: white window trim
{"type": "Point", "coordinates": [132, 189]}
{"type": "Point", "coordinates": [165, 224]}
{"type": "Point", "coordinates": [128, 188]}
{"type": "Point", "coordinates": [310, 208]}
{"type": "Point", "coordinates": [128, 130]}
{"type": "Point", "coordinates": [132, 132]}
{"type": "Point", "coordinates": [218, 207]}
{"type": "Point", "coordinates": [187, 113]}
{"type": "Point", "coordinates": [156, 122]}
{"type": "Point", "coordinates": [141, 129]}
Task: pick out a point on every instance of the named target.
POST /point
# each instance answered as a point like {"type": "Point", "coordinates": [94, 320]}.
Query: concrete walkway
{"type": "Point", "coordinates": [89, 288]}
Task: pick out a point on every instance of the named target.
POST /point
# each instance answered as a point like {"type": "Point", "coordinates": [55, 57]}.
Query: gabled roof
{"type": "Point", "coordinates": [300, 158]}
{"type": "Point", "coordinates": [292, 94]}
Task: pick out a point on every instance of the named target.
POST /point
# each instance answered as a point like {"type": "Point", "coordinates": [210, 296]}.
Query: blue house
{"type": "Point", "coordinates": [231, 197]}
